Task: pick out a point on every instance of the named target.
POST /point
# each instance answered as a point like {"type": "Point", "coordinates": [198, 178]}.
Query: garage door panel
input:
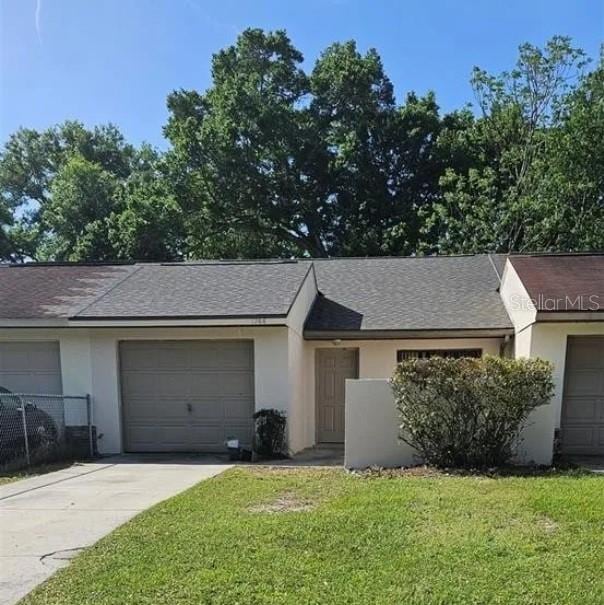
{"type": "Point", "coordinates": [153, 439]}
{"type": "Point", "coordinates": [209, 384]}
{"type": "Point", "coordinates": [181, 438]}
{"type": "Point", "coordinates": [13, 358]}
{"type": "Point", "coordinates": [210, 409]}
{"type": "Point", "coordinates": [582, 419]}
{"type": "Point", "coordinates": [237, 408]}
{"type": "Point", "coordinates": [139, 384]}
{"type": "Point", "coordinates": [584, 382]}
{"type": "Point", "coordinates": [236, 382]}
{"type": "Point", "coordinates": [186, 395]}
{"type": "Point", "coordinates": [173, 358]}
{"type": "Point", "coordinates": [243, 432]}
{"type": "Point", "coordinates": [138, 356]}
{"type": "Point", "coordinates": [586, 354]}
{"type": "Point", "coordinates": [38, 383]}
{"type": "Point", "coordinates": [140, 409]}
{"type": "Point", "coordinates": [208, 435]}
{"type": "Point", "coordinates": [174, 437]}
{"type": "Point", "coordinates": [579, 436]}
{"type": "Point", "coordinates": [141, 436]}
{"type": "Point", "coordinates": [143, 408]}
{"type": "Point", "coordinates": [221, 355]}
{"type": "Point", "coordinates": [45, 359]}
{"type": "Point", "coordinates": [580, 409]}
{"type": "Point", "coordinates": [30, 367]}
{"type": "Point", "coordinates": [173, 384]}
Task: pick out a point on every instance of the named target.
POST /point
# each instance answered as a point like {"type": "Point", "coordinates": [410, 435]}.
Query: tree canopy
{"type": "Point", "coordinates": [276, 160]}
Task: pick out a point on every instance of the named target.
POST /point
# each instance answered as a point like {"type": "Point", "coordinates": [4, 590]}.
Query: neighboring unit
{"type": "Point", "coordinates": [177, 357]}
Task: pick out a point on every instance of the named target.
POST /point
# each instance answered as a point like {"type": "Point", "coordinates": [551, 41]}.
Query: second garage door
{"type": "Point", "coordinates": [30, 367]}
{"type": "Point", "coordinates": [187, 396]}
{"type": "Point", "coordinates": [582, 420]}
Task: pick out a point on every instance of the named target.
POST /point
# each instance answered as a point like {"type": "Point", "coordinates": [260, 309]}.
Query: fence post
{"type": "Point", "coordinates": [89, 419]}
{"type": "Point", "coordinates": [25, 437]}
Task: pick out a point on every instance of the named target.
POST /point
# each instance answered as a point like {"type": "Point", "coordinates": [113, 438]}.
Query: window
{"type": "Point", "coordinates": [404, 354]}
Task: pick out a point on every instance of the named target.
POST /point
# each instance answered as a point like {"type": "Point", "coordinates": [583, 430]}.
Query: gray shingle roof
{"type": "Point", "coordinates": [57, 291]}
{"type": "Point", "coordinates": [427, 293]}
{"type": "Point", "coordinates": [411, 293]}
{"type": "Point", "coordinates": [218, 289]}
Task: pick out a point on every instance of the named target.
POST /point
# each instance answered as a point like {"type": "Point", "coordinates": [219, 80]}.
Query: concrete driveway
{"type": "Point", "coordinates": [46, 520]}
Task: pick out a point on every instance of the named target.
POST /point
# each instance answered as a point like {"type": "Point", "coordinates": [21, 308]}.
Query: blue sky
{"type": "Point", "coordinates": [116, 60]}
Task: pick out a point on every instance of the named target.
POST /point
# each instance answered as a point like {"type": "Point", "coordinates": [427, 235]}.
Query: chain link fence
{"type": "Point", "coordinates": [36, 428]}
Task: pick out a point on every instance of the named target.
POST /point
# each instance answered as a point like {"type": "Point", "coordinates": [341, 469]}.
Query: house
{"type": "Point", "coordinates": [177, 356]}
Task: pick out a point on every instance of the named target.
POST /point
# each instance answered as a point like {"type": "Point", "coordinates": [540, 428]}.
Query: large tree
{"type": "Point", "coordinates": [382, 166]}
{"type": "Point", "coordinates": [271, 160]}
{"type": "Point", "coordinates": [494, 203]}
{"type": "Point", "coordinates": [74, 219]}
{"type": "Point", "coordinates": [238, 152]}
{"type": "Point", "coordinates": [569, 176]}
{"type": "Point", "coordinates": [71, 193]}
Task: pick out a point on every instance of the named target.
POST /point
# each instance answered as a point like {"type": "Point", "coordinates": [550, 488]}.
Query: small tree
{"type": "Point", "coordinates": [468, 412]}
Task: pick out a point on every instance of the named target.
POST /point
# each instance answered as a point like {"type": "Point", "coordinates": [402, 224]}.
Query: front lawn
{"type": "Point", "coordinates": [257, 535]}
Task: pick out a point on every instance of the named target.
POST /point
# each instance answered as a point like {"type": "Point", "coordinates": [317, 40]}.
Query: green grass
{"type": "Point", "coordinates": [404, 540]}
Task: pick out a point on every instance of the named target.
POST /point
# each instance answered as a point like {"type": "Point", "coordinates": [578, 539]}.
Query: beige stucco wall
{"type": "Point", "coordinates": [372, 427]}
{"type": "Point", "coordinates": [377, 359]}
{"type": "Point", "coordinates": [547, 340]}
{"type": "Point", "coordinates": [516, 299]}
{"type": "Point", "coordinates": [297, 377]}
{"type": "Point", "coordinates": [89, 364]}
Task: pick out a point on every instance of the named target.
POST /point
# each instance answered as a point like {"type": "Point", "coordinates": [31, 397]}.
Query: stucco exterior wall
{"type": "Point", "coordinates": [90, 364]}
{"type": "Point", "coordinates": [377, 359]}
{"type": "Point", "coordinates": [516, 299]}
{"type": "Point", "coordinates": [298, 437]}
{"type": "Point", "coordinates": [549, 340]}
{"type": "Point", "coordinates": [372, 427]}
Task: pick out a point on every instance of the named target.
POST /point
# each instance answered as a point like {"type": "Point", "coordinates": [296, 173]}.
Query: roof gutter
{"type": "Point", "coordinates": [570, 316]}
{"type": "Point", "coordinates": [119, 322]}
{"type": "Point", "coordinates": [200, 321]}
{"type": "Point", "coordinates": [407, 334]}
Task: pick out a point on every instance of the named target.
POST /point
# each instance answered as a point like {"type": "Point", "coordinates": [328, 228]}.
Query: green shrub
{"type": "Point", "coordinates": [270, 433]}
{"type": "Point", "coordinates": [468, 412]}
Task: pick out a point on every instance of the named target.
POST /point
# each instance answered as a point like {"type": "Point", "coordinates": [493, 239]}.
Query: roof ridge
{"type": "Point", "coordinates": [556, 254]}
{"type": "Point", "coordinates": [393, 257]}
{"type": "Point", "coordinates": [494, 267]}
{"type": "Point", "coordinates": [227, 263]}
{"type": "Point", "coordinates": [37, 264]}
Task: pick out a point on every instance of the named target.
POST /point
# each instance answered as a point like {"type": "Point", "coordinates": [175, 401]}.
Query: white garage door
{"type": "Point", "coordinates": [30, 367]}
{"type": "Point", "coordinates": [582, 421]}
{"type": "Point", "coordinates": [187, 396]}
